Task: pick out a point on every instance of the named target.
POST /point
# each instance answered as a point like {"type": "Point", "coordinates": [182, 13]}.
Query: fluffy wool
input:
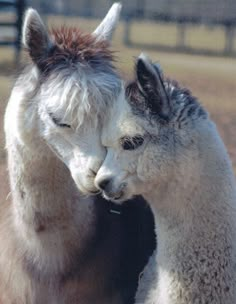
{"type": "Point", "coordinates": [162, 144]}
{"type": "Point", "coordinates": [55, 241]}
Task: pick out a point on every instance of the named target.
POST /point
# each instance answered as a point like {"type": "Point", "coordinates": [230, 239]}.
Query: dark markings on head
{"type": "Point", "coordinates": [184, 106]}
{"type": "Point", "coordinates": [69, 47]}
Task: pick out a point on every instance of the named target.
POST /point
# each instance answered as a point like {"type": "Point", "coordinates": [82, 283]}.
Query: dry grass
{"type": "Point", "coordinates": [201, 37]}
{"type": "Point", "coordinates": [213, 80]}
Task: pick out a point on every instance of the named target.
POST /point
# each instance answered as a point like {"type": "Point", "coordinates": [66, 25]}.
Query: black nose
{"type": "Point", "coordinates": [103, 184]}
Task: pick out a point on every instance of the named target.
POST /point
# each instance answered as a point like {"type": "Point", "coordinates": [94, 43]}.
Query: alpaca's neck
{"type": "Point", "coordinates": [195, 223]}
{"type": "Point", "coordinates": [52, 221]}
{"type": "Point", "coordinates": [202, 186]}
{"type": "Point", "coordinates": [182, 203]}
{"type": "Point", "coordinates": [42, 184]}
{"type": "Point", "coordinates": [201, 200]}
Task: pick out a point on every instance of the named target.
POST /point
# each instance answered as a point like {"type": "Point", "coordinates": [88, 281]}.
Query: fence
{"type": "Point", "coordinates": [17, 8]}
{"type": "Point", "coordinates": [182, 13]}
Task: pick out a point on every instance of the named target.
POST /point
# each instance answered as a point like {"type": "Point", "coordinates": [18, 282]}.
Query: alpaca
{"type": "Point", "coordinates": [58, 245]}
{"type": "Point", "coordinates": [162, 144]}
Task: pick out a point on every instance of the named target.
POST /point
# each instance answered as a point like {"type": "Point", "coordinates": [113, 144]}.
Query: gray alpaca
{"type": "Point", "coordinates": [57, 245]}
{"type": "Point", "coordinates": [162, 144]}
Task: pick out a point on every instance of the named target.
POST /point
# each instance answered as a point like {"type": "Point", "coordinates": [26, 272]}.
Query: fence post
{"type": "Point", "coordinates": [127, 28]}
{"type": "Point", "coordinates": [181, 35]}
{"type": "Point", "coordinates": [229, 39]}
{"type": "Point", "coordinates": [20, 7]}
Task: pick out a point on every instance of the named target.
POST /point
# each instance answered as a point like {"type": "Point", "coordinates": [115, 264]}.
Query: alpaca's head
{"type": "Point", "coordinates": [72, 83]}
{"type": "Point", "coordinates": [151, 135]}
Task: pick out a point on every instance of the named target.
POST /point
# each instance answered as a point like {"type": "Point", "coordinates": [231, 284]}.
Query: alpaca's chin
{"type": "Point", "coordinates": [117, 198]}
{"type": "Point", "coordinates": [86, 189]}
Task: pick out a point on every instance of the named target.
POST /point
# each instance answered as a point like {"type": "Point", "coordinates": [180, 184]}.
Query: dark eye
{"type": "Point", "coordinates": [132, 143]}
{"type": "Point", "coordinates": [58, 122]}
{"type": "Point", "coordinates": [63, 125]}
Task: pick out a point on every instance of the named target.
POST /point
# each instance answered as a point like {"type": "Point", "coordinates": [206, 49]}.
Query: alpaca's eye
{"type": "Point", "coordinates": [63, 125]}
{"type": "Point", "coordinates": [132, 143]}
{"type": "Point", "coordinates": [58, 123]}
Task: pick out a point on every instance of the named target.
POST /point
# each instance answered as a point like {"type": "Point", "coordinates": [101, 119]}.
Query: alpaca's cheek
{"type": "Point", "coordinates": [132, 167]}
{"type": "Point", "coordinates": [147, 167]}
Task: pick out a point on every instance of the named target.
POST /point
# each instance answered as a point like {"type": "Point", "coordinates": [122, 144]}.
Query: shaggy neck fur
{"type": "Point", "coordinates": [52, 225]}
{"type": "Point", "coordinates": [57, 246]}
{"type": "Point", "coordinates": [195, 211]}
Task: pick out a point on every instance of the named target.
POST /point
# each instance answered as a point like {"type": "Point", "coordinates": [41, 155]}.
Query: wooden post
{"type": "Point", "coordinates": [181, 36]}
{"type": "Point", "coordinates": [127, 30]}
{"type": "Point", "coordinates": [20, 7]}
{"type": "Point", "coordinates": [229, 39]}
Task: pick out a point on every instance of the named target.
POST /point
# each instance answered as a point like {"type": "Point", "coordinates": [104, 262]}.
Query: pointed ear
{"type": "Point", "coordinates": [106, 28]}
{"type": "Point", "coordinates": [35, 37]}
{"type": "Point", "coordinates": [151, 84]}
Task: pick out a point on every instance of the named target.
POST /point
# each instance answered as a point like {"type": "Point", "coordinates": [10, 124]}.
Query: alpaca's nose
{"type": "Point", "coordinates": [104, 184]}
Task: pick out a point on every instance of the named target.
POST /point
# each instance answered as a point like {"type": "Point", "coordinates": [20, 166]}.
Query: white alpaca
{"type": "Point", "coordinates": [57, 246]}
{"type": "Point", "coordinates": [162, 144]}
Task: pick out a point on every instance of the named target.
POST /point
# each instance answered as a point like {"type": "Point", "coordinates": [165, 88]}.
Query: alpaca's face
{"type": "Point", "coordinates": [74, 136]}
{"type": "Point", "coordinates": [79, 147]}
{"type": "Point", "coordinates": [123, 173]}
{"type": "Point", "coordinates": [150, 136]}
{"type": "Point", "coordinates": [74, 83]}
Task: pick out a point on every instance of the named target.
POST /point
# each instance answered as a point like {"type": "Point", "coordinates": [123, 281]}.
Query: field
{"type": "Point", "coordinates": [211, 79]}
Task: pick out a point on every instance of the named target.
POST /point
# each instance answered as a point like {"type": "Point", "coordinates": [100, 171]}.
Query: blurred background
{"type": "Point", "coordinates": [194, 40]}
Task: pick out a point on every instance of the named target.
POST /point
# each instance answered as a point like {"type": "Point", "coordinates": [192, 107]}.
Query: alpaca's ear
{"type": "Point", "coordinates": [106, 28]}
{"type": "Point", "coordinates": [35, 37]}
{"type": "Point", "coordinates": [150, 83]}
